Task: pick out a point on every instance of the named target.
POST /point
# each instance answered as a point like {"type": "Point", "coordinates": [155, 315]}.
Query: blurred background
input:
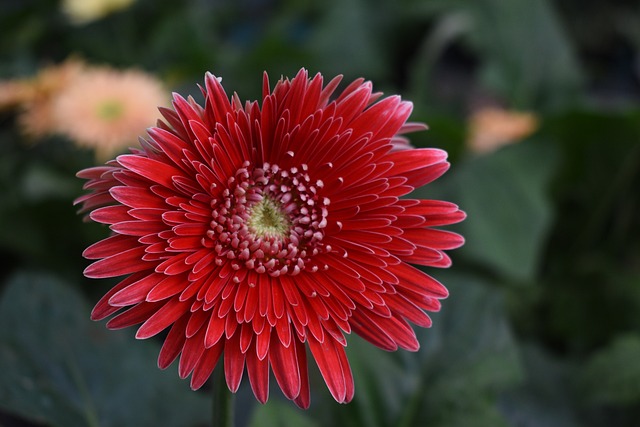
{"type": "Point", "coordinates": [537, 102]}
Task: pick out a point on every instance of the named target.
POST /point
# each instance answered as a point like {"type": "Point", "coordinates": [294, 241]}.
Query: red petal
{"type": "Point", "coordinates": [215, 329]}
{"type": "Point", "coordinates": [348, 375]}
{"type": "Point", "coordinates": [415, 280]}
{"type": "Point", "coordinates": [197, 319]}
{"type": "Point", "coordinates": [217, 101]}
{"type": "Point", "coordinates": [396, 329]}
{"type": "Point", "coordinates": [136, 292]}
{"type": "Point", "coordinates": [419, 177]}
{"type": "Point", "coordinates": [362, 325]}
{"type": "Point", "coordinates": [418, 158]}
{"type": "Point", "coordinates": [126, 262]}
{"type": "Point", "coordinates": [333, 365]}
{"type": "Point", "coordinates": [153, 170]}
{"type": "Point", "coordinates": [258, 371]}
{"type": "Point", "coordinates": [314, 326]}
{"type": "Point", "coordinates": [436, 239]}
{"type": "Point", "coordinates": [435, 212]}
{"type": "Point", "coordinates": [137, 197]}
{"type": "Point", "coordinates": [283, 330]}
{"type": "Point", "coordinates": [134, 315]}
{"type": "Point", "coordinates": [170, 144]}
{"type": "Point", "coordinates": [284, 363]}
{"type": "Point", "coordinates": [403, 306]}
{"type": "Point", "coordinates": [421, 165]}
{"type": "Point", "coordinates": [233, 362]}
{"type": "Point", "coordinates": [168, 287]}
{"type": "Point", "coordinates": [174, 265]}
{"type": "Point", "coordinates": [303, 400]}
{"type": "Point", "coordinates": [278, 299]}
{"type": "Point", "coordinates": [187, 243]}
{"type": "Point", "coordinates": [205, 366]}
{"type": "Point", "coordinates": [171, 311]}
{"type": "Point", "coordinates": [173, 343]}
{"type": "Point", "coordinates": [353, 103]}
{"type": "Point", "coordinates": [110, 214]}
{"type": "Point", "coordinates": [110, 246]}
{"type": "Point", "coordinates": [186, 112]}
{"type": "Point", "coordinates": [103, 309]}
{"type": "Point", "coordinates": [138, 228]}
{"type": "Point", "coordinates": [262, 342]}
{"type": "Point", "coordinates": [418, 258]}
{"type": "Point", "coordinates": [246, 336]}
{"type": "Point", "coordinates": [191, 352]}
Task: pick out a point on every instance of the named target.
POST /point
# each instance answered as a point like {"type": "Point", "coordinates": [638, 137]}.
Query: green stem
{"type": "Point", "coordinates": [222, 400]}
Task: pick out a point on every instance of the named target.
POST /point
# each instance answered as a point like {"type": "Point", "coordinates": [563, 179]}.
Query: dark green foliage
{"type": "Point", "coordinates": [63, 370]}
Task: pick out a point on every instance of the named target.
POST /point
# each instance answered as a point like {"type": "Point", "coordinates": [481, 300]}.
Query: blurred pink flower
{"type": "Point", "coordinates": [107, 109]}
{"type": "Point", "coordinates": [33, 97]}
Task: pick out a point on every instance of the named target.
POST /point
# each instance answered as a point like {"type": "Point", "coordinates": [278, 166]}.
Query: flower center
{"type": "Point", "coordinates": [110, 109]}
{"type": "Point", "coordinates": [270, 220]}
{"type": "Point", "coordinates": [267, 219]}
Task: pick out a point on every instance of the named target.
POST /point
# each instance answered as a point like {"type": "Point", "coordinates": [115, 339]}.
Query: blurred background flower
{"type": "Point", "coordinates": [541, 327]}
{"type": "Point", "coordinates": [84, 11]}
{"type": "Point", "coordinates": [34, 97]}
{"type": "Point", "coordinates": [98, 107]}
{"type": "Point", "coordinates": [490, 128]}
{"type": "Point", "coordinates": [107, 109]}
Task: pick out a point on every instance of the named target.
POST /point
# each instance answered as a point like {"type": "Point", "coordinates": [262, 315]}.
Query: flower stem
{"type": "Point", "coordinates": [222, 400]}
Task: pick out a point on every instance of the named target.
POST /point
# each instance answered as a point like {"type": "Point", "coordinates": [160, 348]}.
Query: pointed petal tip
{"type": "Point", "coordinates": [302, 403]}
{"type": "Point", "coordinates": [98, 313]}
{"type": "Point", "coordinates": [89, 272]}
{"type": "Point", "coordinates": [196, 383]}
{"type": "Point", "coordinates": [439, 153]}
{"type": "Point", "coordinates": [142, 334]}
{"type": "Point", "coordinates": [410, 127]}
{"type": "Point", "coordinates": [209, 76]}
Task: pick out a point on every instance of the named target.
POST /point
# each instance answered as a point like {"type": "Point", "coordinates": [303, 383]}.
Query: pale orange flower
{"type": "Point", "coordinates": [491, 128]}
{"type": "Point", "coordinates": [107, 109]}
{"type": "Point", "coordinates": [34, 96]}
{"type": "Point", "coordinates": [85, 11]}
{"type": "Point", "coordinates": [14, 93]}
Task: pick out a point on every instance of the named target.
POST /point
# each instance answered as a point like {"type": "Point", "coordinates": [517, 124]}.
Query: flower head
{"type": "Point", "coordinates": [14, 93]}
{"type": "Point", "coordinates": [85, 11]}
{"type": "Point", "coordinates": [254, 231]}
{"type": "Point", "coordinates": [492, 128]}
{"type": "Point", "coordinates": [35, 96]}
{"type": "Point", "coordinates": [108, 109]}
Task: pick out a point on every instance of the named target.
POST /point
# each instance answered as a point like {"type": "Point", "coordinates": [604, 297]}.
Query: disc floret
{"type": "Point", "coordinates": [270, 220]}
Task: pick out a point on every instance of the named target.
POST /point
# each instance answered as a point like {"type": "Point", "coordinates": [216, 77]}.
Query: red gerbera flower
{"type": "Point", "coordinates": [254, 230]}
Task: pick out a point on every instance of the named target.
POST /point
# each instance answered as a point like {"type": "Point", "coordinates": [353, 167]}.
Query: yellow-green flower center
{"type": "Point", "coordinates": [268, 220]}
{"type": "Point", "coordinates": [110, 109]}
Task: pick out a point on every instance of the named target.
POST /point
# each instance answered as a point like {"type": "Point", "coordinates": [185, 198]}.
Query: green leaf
{"type": "Point", "coordinates": [467, 357]}
{"type": "Point", "coordinates": [528, 60]}
{"type": "Point", "coordinates": [456, 377]}
{"type": "Point", "coordinates": [352, 21]}
{"type": "Point", "coordinates": [61, 369]}
{"type": "Point", "coordinates": [41, 183]}
{"type": "Point", "coordinates": [382, 384]}
{"type": "Point", "coordinates": [612, 375]}
{"type": "Point", "coordinates": [545, 398]}
{"type": "Point", "coordinates": [508, 212]}
{"type": "Point", "coordinates": [524, 56]}
{"type": "Point", "coordinates": [280, 414]}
